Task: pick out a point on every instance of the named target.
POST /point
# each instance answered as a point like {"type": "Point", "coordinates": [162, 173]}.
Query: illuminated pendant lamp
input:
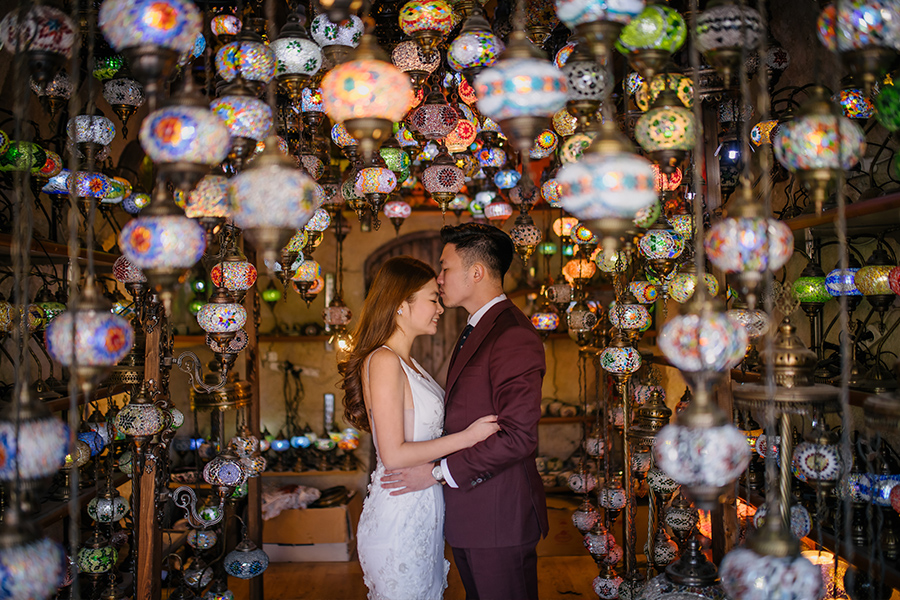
{"type": "Point", "coordinates": [434, 119]}
{"type": "Point", "coordinates": [125, 96]}
{"type": "Point", "coordinates": [873, 281]}
{"type": "Point", "coordinates": [748, 243]}
{"type": "Point", "coordinates": [409, 58]}
{"type": "Point", "coordinates": [426, 22]}
{"type": "Point", "coordinates": [598, 22]}
{"type": "Point", "coordinates": [32, 566]}
{"type": "Point", "coordinates": [44, 34]}
{"type": "Point", "coordinates": [248, 119]}
{"type": "Point", "coordinates": [817, 145]}
{"type": "Point", "coordinates": [651, 38]}
{"type": "Point", "coordinates": [272, 200]}
{"type": "Point", "coordinates": [661, 247]}
{"type": "Point", "coordinates": [667, 131]}
{"type": "Point", "coordinates": [476, 48]}
{"type": "Point", "coordinates": [525, 234]}
{"type": "Point", "coordinates": [163, 243]}
{"type": "Point", "coordinates": [521, 92]}
{"type": "Point", "coordinates": [865, 34]}
{"type": "Point", "coordinates": [184, 138]}
{"type": "Point", "coordinates": [443, 180]}
{"type": "Point", "coordinates": [249, 58]}
{"type": "Point", "coordinates": [608, 186]}
{"type": "Point", "coordinates": [151, 34]}
{"type": "Point", "coordinates": [368, 95]}
{"type": "Point", "coordinates": [375, 183]}
{"type": "Point", "coordinates": [234, 273]}
{"type": "Point", "coordinates": [297, 58]}
{"type": "Point", "coordinates": [55, 93]}
{"type": "Point", "coordinates": [726, 32]}
{"type": "Point", "coordinates": [589, 83]}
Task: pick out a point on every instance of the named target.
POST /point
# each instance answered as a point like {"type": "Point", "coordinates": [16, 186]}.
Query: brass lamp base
{"type": "Point", "coordinates": [150, 64]}
{"type": "Point", "coordinates": [292, 85]}
{"type": "Point", "coordinates": [648, 62]}
{"type": "Point", "coordinates": [869, 64]}
{"type": "Point", "coordinates": [371, 132]}
{"type": "Point", "coordinates": [726, 61]}
{"type": "Point", "coordinates": [668, 160]}
{"type": "Point", "coordinates": [183, 175]}
{"type": "Point", "coordinates": [819, 183]}
{"type": "Point", "coordinates": [521, 131]}
{"type": "Point", "coordinates": [428, 41]}
{"type": "Point", "coordinates": [600, 37]}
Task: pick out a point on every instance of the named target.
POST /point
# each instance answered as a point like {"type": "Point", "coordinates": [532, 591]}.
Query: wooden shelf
{"type": "Point", "coordinates": [857, 212]}
{"type": "Point", "coordinates": [53, 511]}
{"type": "Point", "coordinates": [51, 250]}
{"type": "Point", "coordinates": [62, 402]}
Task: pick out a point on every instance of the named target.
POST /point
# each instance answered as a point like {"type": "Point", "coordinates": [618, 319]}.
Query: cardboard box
{"type": "Point", "coordinates": [313, 534]}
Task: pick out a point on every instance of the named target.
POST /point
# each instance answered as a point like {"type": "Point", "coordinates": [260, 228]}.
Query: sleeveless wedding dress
{"type": "Point", "coordinates": [401, 538]}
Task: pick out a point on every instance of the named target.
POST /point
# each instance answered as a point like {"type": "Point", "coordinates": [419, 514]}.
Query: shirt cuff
{"type": "Point", "coordinates": [447, 476]}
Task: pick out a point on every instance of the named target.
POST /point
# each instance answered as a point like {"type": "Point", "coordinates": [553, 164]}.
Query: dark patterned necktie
{"type": "Point", "coordinates": [462, 339]}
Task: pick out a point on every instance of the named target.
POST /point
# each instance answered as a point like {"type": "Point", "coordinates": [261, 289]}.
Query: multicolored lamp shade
{"type": "Point", "coordinates": [246, 561]}
{"type": "Point", "coordinates": [491, 158]}
{"type": "Point", "coordinates": [91, 185]}
{"type": "Point", "coordinates": [426, 21]}
{"type": "Point", "coordinates": [31, 566]}
{"type": "Point", "coordinates": [153, 242]}
{"type": "Point", "coordinates": [874, 280]}
{"type": "Point", "coordinates": [101, 339]}
{"type": "Point", "coordinates": [661, 244]}
{"type": "Point", "coordinates": [409, 58]}
{"type": "Point", "coordinates": [434, 119]}
{"type": "Point", "coordinates": [218, 318]}
{"type": "Point", "coordinates": [600, 186]}
{"type": "Point", "coordinates": [681, 85]}
{"type": "Point", "coordinates": [580, 12]}
{"type": "Point", "coordinates": [135, 202]}
{"type": "Point", "coordinates": [680, 286]}
{"type": "Point", "coordinates": [311, 100]}
{"type": "Point", "coordinates": [551, 192]}
{"type": "Point", "coordinates": [666, 132]}
{"type": "Point", "coordinates": [140, 418]}
{"type": "Point", "coordinates": [474, 51]}
{"type": "Point", "coordinates": [210, 199]}
{"type": "Point", "coordinates": [764, 132]}
{"type": "Point", "coordinates": [39, 31]}
{"type": "Point", "coordinates": [628, 316]}
{"type": "Point", "coordinates": [564, 122]}
{"type": "Point", "coordinates": [842, 282]}
{"type": "Point", "coordinates": [248, 57]}
{"type": "Point", "coordinates": [498, 212]}
{"type": "Point", "coordinates": [459, 140]}
{"type": "Point", "coordinates": [42, 443]}
{"type": "Point", "coordinates": [171, 24]}
{"type": "Point", "coordinates": [745, 573]}
{"type": "Point", "coordinates": [184, 134]}
{"type": "Point", "coordinates": [855, 104]}
{"type": "Point", "coordinates": [620, 360]}
{"type": "Point", "coordinates": [544, 145]}
{"type": "Point", "coordinates": [756, 322]}
{"type": "Point", "coordinates": [91, 129]}
{"type": "Point", "coordinates": [749, 244]}
{"type": "Point", "coordinates": [297, 58]}
{"type": "Point", "coordinates": [545, 318]}
{"type": "Point", "coordinates": [375, 180]}
{"type": "Point", "coordinates": [644, 292]}
{"type": "Point", "coordinates": [319, 221]}
{"type": "Point", "coordinates": [245, 116]}
{"type": "Point", "coordinates": [328, 33]}
{"type": "Point", "coordinates": [658, 27]}
{"type": "Point", "coordinates": [234, 275]}
{"type": "Point", "coordinates": [704, 342]}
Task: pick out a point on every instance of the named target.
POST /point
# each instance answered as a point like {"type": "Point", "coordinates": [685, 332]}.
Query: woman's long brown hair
{"type": "Point", "coordinates": [398, 279]}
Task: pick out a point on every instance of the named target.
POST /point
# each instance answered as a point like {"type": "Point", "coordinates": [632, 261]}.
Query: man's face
{"type": "Point", "coordinates": [454, 278]}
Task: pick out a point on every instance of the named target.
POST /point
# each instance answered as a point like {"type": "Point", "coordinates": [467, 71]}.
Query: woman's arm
{"type": "Point", "coordinates": [387, 386]}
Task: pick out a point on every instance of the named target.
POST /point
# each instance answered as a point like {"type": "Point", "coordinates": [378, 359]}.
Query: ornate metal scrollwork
{"type": "Point", "coordinates": [185, 497]}
{"type": "Point", "coordinates": [188, 363]}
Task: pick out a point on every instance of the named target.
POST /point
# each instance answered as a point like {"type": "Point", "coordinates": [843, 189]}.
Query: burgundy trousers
{"type": "Point", "coordinates": [508, 573]}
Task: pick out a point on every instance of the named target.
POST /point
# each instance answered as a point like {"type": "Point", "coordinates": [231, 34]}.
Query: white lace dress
{"type": "Point", "coordinates": [401, 538]}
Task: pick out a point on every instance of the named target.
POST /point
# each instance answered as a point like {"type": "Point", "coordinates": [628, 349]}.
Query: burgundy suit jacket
{"type": "Point", "coordinates": [499, 370]}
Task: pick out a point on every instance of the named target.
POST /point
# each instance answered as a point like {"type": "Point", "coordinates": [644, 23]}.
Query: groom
{"type": "Point", "coordinates": [495, 507]}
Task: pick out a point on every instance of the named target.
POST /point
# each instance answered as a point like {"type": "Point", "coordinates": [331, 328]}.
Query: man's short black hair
{"type": "Point", "coordinates": [477, 242]}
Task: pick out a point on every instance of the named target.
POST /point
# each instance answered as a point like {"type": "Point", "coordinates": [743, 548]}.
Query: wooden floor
{"type": "Point", "coordinates": [559, 577]}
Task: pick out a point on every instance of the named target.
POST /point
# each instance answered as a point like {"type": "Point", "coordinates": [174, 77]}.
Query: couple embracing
{"type": "Point", "coordinates": [468, 451]}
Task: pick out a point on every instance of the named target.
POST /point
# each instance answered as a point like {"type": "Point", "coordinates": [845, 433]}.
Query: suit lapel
{"type": "Point", "coordinates": [478, 335]}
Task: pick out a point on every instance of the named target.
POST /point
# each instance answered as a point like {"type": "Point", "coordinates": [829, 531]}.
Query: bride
{"type": "Point", "coordinates": [401, 538]}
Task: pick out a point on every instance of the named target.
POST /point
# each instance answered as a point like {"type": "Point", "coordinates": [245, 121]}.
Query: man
{"type": "Point", "coordinates": [496, 511]}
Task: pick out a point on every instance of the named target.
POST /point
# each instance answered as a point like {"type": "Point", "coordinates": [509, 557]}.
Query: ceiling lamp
{"type": "Point", "coordinates": [817, 145]}
{"type": "Point", "coordinates": [90, 133]}
{"type": "Point", "coordinates": [34, 442]}
{"type": "Point", "coordinates": [661, 246]}
{"type": "Point", "coordinates": [184, 138]}
{"type": "Point", "coordinates": [90, 339]}
{"type": "Point", "coordinates": [225, 27]}
{"type": "Point", "coordinates": [608, 186]}
{"type": "Point", "coordinates": [209, 202]}
{"type": "Point", "coordinates": [125, 96]}
{"type": "Point", "coordinates": [54, 94]}
{"type": "Point", "coordinates": [545, 319]}
{"type": "Point", "coordinates": [651, 38]}
{"type": "Point", "coordinates": [551, 191]}
{"type": "Point", "coordinates": [427, 22]}
{"type": "Point", "coordinates": [434, 118]}
{"type": "Point", "coordinates": [764, 132]}
{"type": "Point", "coordinates": [337, 39]}
{"type": "Point", "coordinates": [163, 243]}
{"type": "Point", "coordinates": [272, 200]}
{"type": "Point", "coordinates": [32, 566]}
{"type": "Point", "coordinates": [866, 33]}
{"type": "Point", "coordinates": [222, 317]}
{"type": "Point", "coordinates": [235, 273]}
{"type": "Point", "coordinates": [644, 292]}
{"type": "Point", "coordinates": [249, 58]}
{"type": "Point", "coordinates": [312, 107]}
{"type": "Point", "coordinates": [409, 58]}
{"type": "Point", "coordinates": [249, 119]}
{"type": "Point", "coordinates": [297, 58]}
{"type": "Point", "coordinates": [629, 317]}
{"type": "Point", "coordinates": [667, 131]}
{"type": "Point", "coordinates": [589, 83]}
{"type": "Point", "coordinates": [598, 22]}
{"type": "Point", "coordinates": [367, 95]}
{"type": "Point", "coordinates": [375, 183]}
{"type": "Point", "coordinates": [525, 234]}
{"type": "Point", "coordinates": [497, 212]}
{"type": "Point", "coordinates": [246, 561]}
{"type": "Point", "coordinates": [544, 145]}
{"type": "Point", "coordinates": [521, 91]}
{"type": "Point", "coordinates": [44, 34]}
{"type": "Point", "coordinates": [725, 31]}
{"type": "Point", "coordinates": [476, 48]}
{"type": "Point", "coordinates": [748, 243]}
{"type": "Point", "coordinates": [443, 180]}
{"type": "Point", "coordinates": [703, 452]}
{"type": "Point", "coordinates": [397, 211]}
{"type": "Point", "coordinates": [676, 82]}
{"type": "Point", "coordinates": [855, 104]}
{"type": "Point", "coordinates": [680, 286]}
{"type": "Point", "coordinates": [151, 34]}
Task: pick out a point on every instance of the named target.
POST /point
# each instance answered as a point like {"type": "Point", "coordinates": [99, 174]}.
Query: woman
{"type": "Point", "coordinates": [401, 538]}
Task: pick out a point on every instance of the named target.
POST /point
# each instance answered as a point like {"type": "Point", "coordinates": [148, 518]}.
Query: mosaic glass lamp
{"type": "Point", "coordinates": [443, 180]}
{"type": "Point", "coordinates": [426, 22]}
{"type": "Point", "coordinates": [866, 33]}
{"type": "Point", "coordinates": [680, 285]}
{"type": "Point", "coordinates": [434, 119]}
{"type": "Point", "coordinates": [545, 319]}
{"type": "Point", "coordinates": [42, 443]}
{"type": "Point", "coordinates": [661, 246]}
{"type": "Point", "coordinates": [222, 317]}
{"type": "Point", "coordinates": [842, 282]}
{"type": "Point", "coordinates": [248, 119]}
{"type": "Point", "coordinates": [397, 211]}
{"type": "Point", "coordinates": [55, 93]}
{"type": "Point", "coordinates": [375, 183]}
{"type": "Point", "coordinates": [521, 91]}
{"type": "Point", "coordinates": [31, 566]}
{"type": "Point", "coordinates": [90, 133]}
{"type": "Point", "coordinates": [337, 40]}
{"type": "Point", "coordinates": [44, 34]}
{"type": "Point", "coordinates": [476, 48]}
{"type": "Point", "coordinates": [297, 57]}
{"type": "Point", "coordinates": [272, 177]}
{"type": "Point", "coordinates": [184, 138]}
{"type": "Point", "coordinates": [246, 561]}
{"type": "Point", "coordinates": [525, 235]}
{"type": "Point", "coordinates": [162, 242]}
{"type": "Point", "coordinates": [749, 243]}
{"type": "Point", "coordinates": [141, 418]}
{"type": "Point", "coordinates": [667, 131]}
{"type": "Point", "coordinates": [598, 22]}
{"type": "Point", "coordinates": [409, 58]}
{"type": "Point", "coordinates": [367, 95]}
{"type": "Point", "coordinates": [151, 34]}
{"type": "Point", "coordinates": [810, 145]}
{"type": "Point", "coordinates": [125, 96]}
{"type": "Point", "coordinates": [725, 31]}
{"type": "Point", "coordinates": [209, 202]}
{"type": "Point", "coordinates": [235, 273]}
{"type": "Point", "coordinates": [246, 57]}
{"type": "Point", "coordinates": [651, 38]}
{"type": "Point", "coordinates": [873, 280]}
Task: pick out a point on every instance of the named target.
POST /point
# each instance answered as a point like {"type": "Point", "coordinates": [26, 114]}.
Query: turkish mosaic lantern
{"type": "Point", "coordinates": [725, 31]}
{"type": "Point", "coordinates": [337, 40]}
{"type": "Point", "coordinates": [426, 22]}
{"type": "Point", "coordinates": [667, 131]}
{"type": "Point", "coordinates": [44, 34]}
{"type": "Point", "coordinates": [434, 119]}
{"type": "Point", "coordinates": [125, 96]}
{"type": "Point", "coordinates": [443, 180]}
{"type": "Point", "coordinates": [651, 38]}
{"type": "Point", "coordinates": [248, 119]}
{"type": "Point", "coordinates": [246, 560]}
{"type": "Point", "coordinates": [475, 48]}
{"type": "Point", "coordinates": [598, 22]}
{"type": "Point", "coordinates": [297, 58]}
{"type": "Point", "coordinates": [409, 58]}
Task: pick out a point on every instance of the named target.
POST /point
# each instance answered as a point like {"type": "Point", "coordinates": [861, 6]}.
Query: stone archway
{"type": "Point", "coordinates": [432, 352]}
